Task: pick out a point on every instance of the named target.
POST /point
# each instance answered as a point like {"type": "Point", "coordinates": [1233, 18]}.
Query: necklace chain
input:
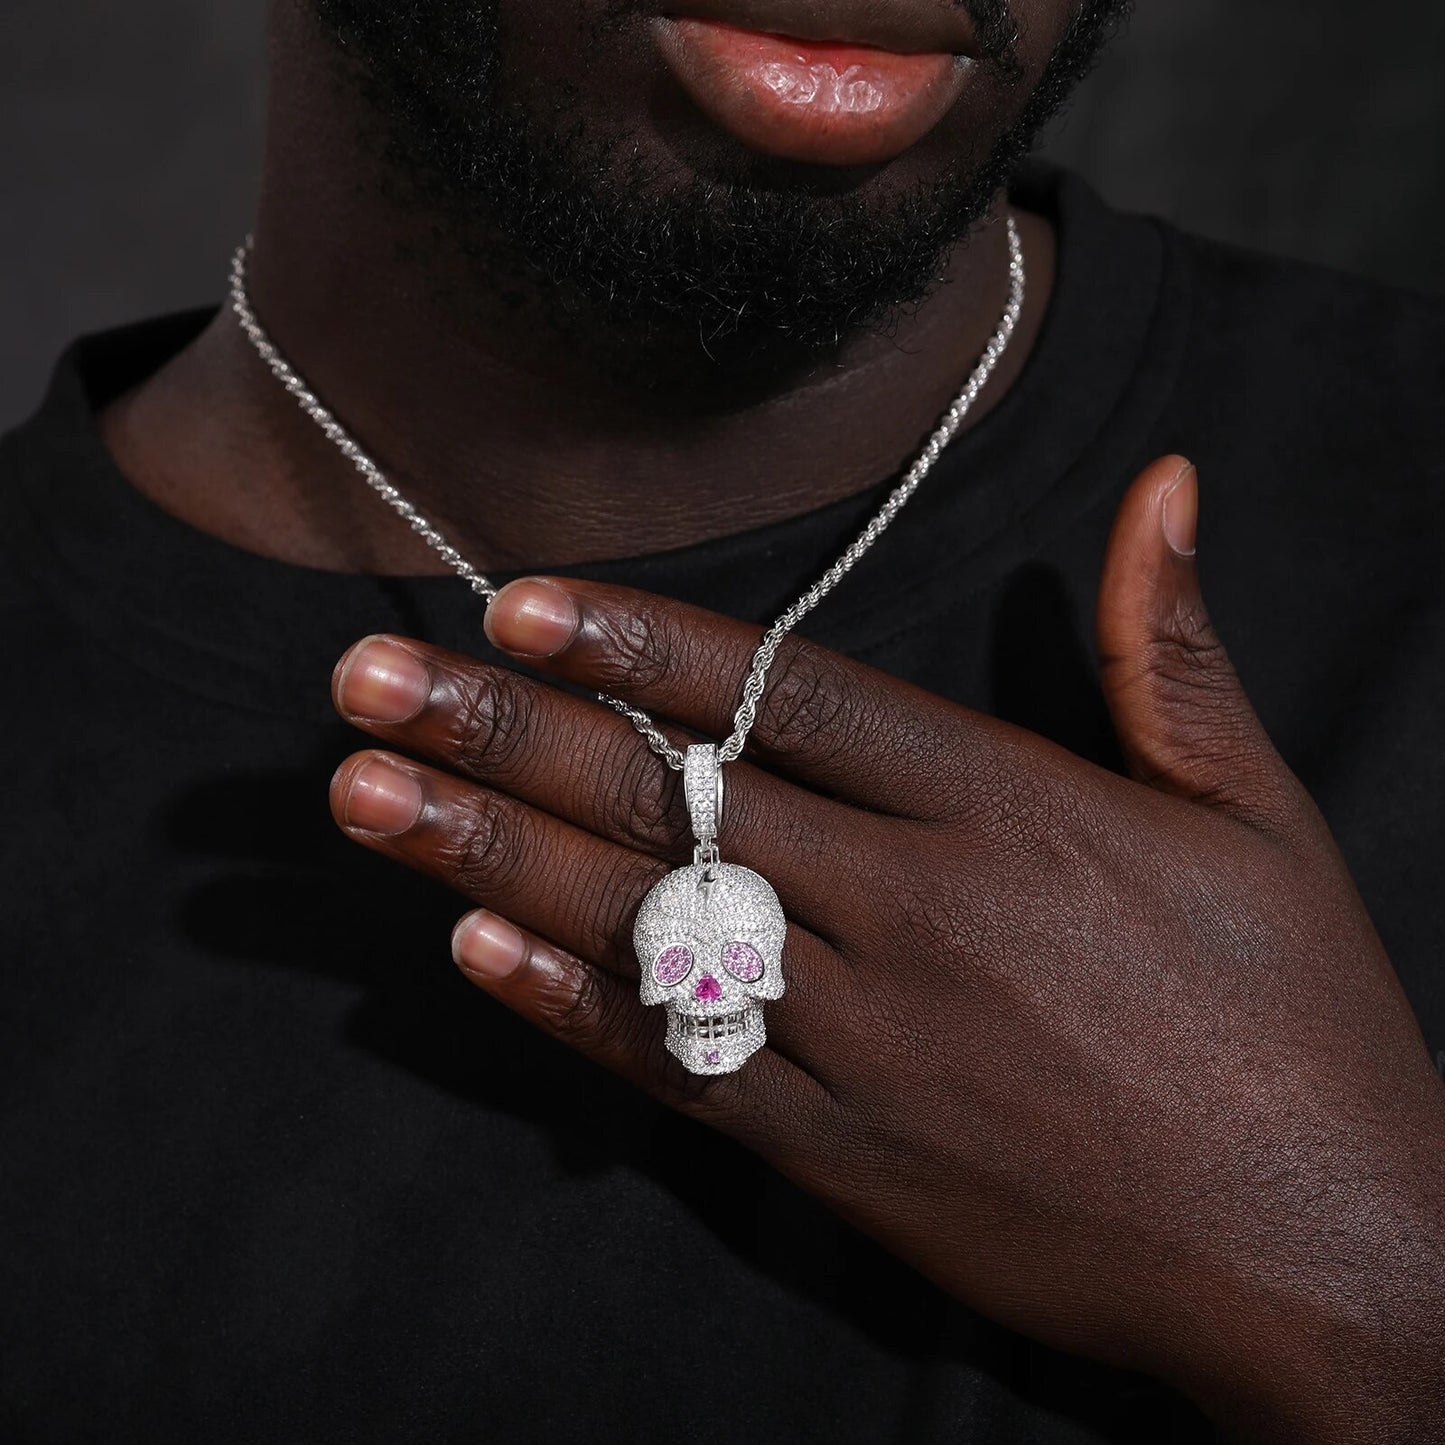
{"type": "Point", "coordinates": [767, 649]}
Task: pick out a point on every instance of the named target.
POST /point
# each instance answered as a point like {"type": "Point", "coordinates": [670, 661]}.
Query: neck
{"type": "Point", "coordinates": [524, 448]}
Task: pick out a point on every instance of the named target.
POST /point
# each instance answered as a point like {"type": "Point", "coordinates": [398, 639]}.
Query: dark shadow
{"type": "Point", "coordinates": [1042, 670]}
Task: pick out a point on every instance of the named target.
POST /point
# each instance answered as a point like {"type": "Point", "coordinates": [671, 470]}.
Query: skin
{"type": "Point", "coordinates": [1184, 1120]}
{"type": "Point", "coordinates": [525, 445]}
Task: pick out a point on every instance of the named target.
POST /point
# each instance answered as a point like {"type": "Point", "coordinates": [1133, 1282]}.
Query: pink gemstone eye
{"type": "Point", "coordinates": [673, 965]}
{"type": "Point", "coordinates": [743, 961]}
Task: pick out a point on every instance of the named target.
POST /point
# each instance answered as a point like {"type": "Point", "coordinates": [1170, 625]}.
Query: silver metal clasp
{"type": "Point", "coordinates": [702, 785]}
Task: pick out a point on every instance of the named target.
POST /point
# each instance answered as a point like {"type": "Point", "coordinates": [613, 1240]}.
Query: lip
{"type": "Point", "coordinates": [905, 27]}
{"type": "Point", "coordinates": [826, 101]}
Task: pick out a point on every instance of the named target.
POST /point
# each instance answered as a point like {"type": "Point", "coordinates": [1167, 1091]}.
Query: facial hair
{"type": "Point", "coordinates": [737, 264]}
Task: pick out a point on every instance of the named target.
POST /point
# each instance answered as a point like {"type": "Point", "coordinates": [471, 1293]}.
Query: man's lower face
{"type": "Point", "coordinates": [744, 173]}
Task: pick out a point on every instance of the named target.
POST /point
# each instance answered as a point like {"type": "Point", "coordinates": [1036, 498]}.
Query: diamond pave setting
{"type": "Point", "coordinates": [718, 921]}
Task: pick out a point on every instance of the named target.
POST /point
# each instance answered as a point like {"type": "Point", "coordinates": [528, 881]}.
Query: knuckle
{"type": "Point", "coordinates": [645, 806]}
{"type": "Point", "coordinates": [588, 1013]}
{"type": "Point", "coordinates": [1187, 672]}
{"type": "Point", "coordinates": [605, 894]}
{"type": "Point", "coordinates": [494, 722]}
{"type": "Point", "coordinates": [486, 846]}
{"type": "Point", "coordinates": [1208, 757]}
{"type": "Point", "coordinates": [805, 704]}
{"type": "Point", "coordinates": [1202, 717]}
{"type": "Point", "coordinates": [1031, 836]}
{"type": "Point", "coordinates": [1203, 726]}
{"type": "Point", "coordinates": [574, 1007]}
{"type": "Point", "coordinates": [632, 650]}
{"type": "Point", "coordinates": [1186, 653]}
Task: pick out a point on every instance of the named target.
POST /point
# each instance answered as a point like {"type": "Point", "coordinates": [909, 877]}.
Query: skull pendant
{"type": "Point", "coordinates": [709, 940]}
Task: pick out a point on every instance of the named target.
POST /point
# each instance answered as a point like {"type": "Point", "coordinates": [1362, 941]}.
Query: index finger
{"type": "Point", "coordinates": [832, 723]}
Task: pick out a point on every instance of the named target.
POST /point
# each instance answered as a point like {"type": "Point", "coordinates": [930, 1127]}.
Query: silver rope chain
{"type": "Point", "coordinates": [767, 649]}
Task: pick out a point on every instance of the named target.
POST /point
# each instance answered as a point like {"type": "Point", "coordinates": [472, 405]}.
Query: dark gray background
{"type": "Point", "coordinates": [129, 139]}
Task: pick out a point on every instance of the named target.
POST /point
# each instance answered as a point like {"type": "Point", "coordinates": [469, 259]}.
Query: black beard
{"type": "Point", "coordinates": [749, 266]}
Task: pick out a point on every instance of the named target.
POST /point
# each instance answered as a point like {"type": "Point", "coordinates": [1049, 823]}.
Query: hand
{"type": "Point", "coordinates": [1120, 1062]}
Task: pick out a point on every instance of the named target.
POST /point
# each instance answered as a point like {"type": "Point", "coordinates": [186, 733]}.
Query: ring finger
{"type": "Point", "coordinates": [558, 881]}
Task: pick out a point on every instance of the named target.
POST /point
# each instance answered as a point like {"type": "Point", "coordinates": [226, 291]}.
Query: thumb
{"type": "Point", "coordinates": [1183, 720]}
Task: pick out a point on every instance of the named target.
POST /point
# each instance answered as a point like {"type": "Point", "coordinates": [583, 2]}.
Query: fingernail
{"type": "Point", "coordinates": [382, 682]}
{"type": "Point", "coordinates": [533, 618]}
{"type": "Point", "coordinates": [1181, 511]}
{"type": "Point", "coordinates": [488, 946]}
{"type": "Point", "coordinates": [383, 799]}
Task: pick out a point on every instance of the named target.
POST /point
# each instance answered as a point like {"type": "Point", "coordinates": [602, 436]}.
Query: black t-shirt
{"type": "Point", "coordinates": [271, 1170]}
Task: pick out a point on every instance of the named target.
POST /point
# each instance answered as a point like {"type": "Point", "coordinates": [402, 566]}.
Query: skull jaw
{"type": "Point", "coordinates": [691, 1041]}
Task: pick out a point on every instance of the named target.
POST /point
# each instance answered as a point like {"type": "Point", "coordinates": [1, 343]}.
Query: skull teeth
{"type": "Point", "coordinates": [716, 1026]}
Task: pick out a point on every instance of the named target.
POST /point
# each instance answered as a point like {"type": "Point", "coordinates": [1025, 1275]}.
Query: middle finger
{"type": "Point", "coordinates": [581, 762]}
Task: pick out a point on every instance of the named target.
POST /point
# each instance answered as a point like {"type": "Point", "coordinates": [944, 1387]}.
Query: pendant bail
{"type": "Point", "coordinates": [702, 785]}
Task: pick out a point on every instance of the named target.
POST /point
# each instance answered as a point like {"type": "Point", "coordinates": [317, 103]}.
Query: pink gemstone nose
{"type": "Point", "coordinates": [708, 989]}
